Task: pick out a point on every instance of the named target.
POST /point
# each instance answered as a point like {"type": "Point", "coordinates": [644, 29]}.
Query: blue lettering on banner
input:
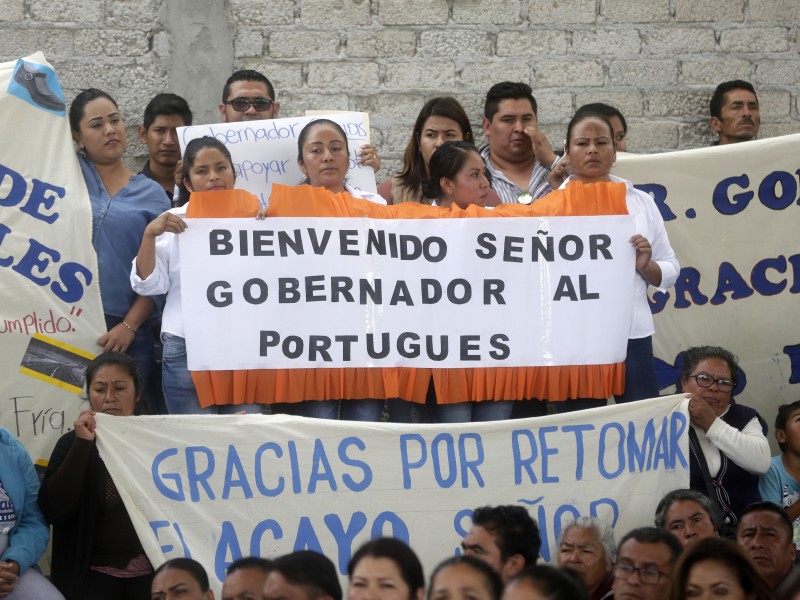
{"type": "Point", "coordinates": [35, 264]}
{"type": "Point", "coordinates": [768, 277]}
{"type": "Point", "coordinates": [777, 191]}
{"type": "Point", "coordinates": [445, 469]}
{"type": "Point", "coordinates": [793, 352]}
{"type": "Point", "coordinates": [659, 195]}
{"type": "Point", "coordinates": [269, 470]}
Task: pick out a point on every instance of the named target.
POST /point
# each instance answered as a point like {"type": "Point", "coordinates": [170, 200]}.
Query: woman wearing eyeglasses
{"type": "Point", "coordinates": [728, 447]}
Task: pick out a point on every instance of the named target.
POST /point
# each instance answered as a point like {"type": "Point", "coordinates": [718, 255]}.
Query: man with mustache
{"type": "Point", "coordinates": [734, 112]}
{"type": "Point", "coordinates": [765, 532]}
{"type": "Point", "coordinates": [519, 157]}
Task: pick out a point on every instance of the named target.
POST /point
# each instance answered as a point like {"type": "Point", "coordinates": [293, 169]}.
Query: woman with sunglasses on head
{"type": "Point", "coordinates": [727, 445]}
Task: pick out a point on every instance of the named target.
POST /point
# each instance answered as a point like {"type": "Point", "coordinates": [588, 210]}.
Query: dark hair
{"type": "Point", "coordinates": [718, 97]}
{"type": "Point", "coordinates": [582, 116]}
{"type": "Point", "coordinates": [727, 553]}
{"type": "Point", "coordinates": [784, 412]}
{"type": "Point", "coordinates": [250, 562]}
{"type": "Point", "coordinates": [446, 161]}
{"type": "Point", "coordinates": [691, 495]}
{"type": "Point", "coordinates": [507, 90]}
{"type": "Point", "coordinates": [414, 173]}
{"type": "Point", "coordinates": [492, 579]}
{"type": "Point", "coordinates": [771, 507]}
{"type": "Point", "coordinates": [305, 131]}
{"type": "Point", "coordinates": [654, 535]}
{"type": "Point", "coordinates": [694, 356]}
{"type": "Point", "coordinates": [247, 75]}
{"type": "Point", "coordinates": [398, 552]}
{"type": "Point", "coordinates": [514, 530]}
{"type": "Point", "coordinates": [311, 570]}
{"type": "Point", "coordinates": [78, 107]}
{"type": "Point", "coordinates": [193, 149]}
{"type": "Point", "coordinates": [166, 104]}
{"type": "Point", "coordinates": [116, 359]}
{"type": "Point", "coordinates": [553, 583]}
{"type": "Point", "coordinates": [191, 566]}
{"type": "Point", "coordinates": [599, 109]}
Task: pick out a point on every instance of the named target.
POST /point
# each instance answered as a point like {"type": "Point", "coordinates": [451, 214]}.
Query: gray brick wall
{"type": "Point", "coordinates": [657, 60]}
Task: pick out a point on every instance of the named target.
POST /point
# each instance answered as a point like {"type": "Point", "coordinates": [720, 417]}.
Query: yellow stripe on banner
{"type": "Point", "coordinates": [64, 346]}
{"type": "Point", "coordinates": [51, 380]}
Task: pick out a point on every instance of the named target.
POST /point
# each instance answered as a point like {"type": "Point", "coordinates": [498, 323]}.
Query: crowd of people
{"type": "Point", "coordinates": [732, 534]}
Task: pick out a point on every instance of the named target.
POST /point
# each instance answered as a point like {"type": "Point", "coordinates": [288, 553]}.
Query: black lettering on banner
{"type": "Point", "coordinates": [499, 341]}
{"type": "Point", "coordinates": [222, 299]}
{"type": "Point", "coordinates": [493, 289]}
{"type": "Point", "coordinates": [348, 238]}
{"type": "Point", "coordinates": [512, 246]}
{"type": "Point", "coordinates": [219, 242]}
{"type": "Point", "coordinates": [469, 345]}
{"type": "Point", "coordinates": [347, 341]}
{"type": "Point", "coordinates": [486, 246]}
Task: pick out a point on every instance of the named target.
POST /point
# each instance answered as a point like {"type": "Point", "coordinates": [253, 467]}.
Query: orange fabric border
{"type": "Point", "coordinates": [452, 385]}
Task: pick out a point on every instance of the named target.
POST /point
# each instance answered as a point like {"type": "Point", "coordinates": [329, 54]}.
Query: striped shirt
{"type": "Point", "coordinates": [507, 190]}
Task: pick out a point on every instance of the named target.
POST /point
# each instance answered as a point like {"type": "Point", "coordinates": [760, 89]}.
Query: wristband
{"type": "Point", "coordinates": [129, 327]}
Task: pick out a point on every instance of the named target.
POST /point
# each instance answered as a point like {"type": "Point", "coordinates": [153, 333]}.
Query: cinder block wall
{"type": "Point", "coordinates": [657, 60]}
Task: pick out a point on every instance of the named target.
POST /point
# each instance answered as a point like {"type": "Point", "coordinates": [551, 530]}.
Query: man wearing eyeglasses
{"type": "Point", "coordinates": [645, 558]}
{"type": "Point", "coordinates": [248, 96]}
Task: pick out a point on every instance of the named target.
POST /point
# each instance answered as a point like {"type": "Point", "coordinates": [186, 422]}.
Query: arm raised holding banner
{"type": "Point", "coordinates": [156, 270]}
{"type": "Point", "coordinates": [94, 542]}
{"type": "Point", "coordinates": [591, 152]}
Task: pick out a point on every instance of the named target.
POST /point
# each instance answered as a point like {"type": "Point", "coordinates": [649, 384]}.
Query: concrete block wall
{"type": "Point", "coordinates": [657, 60]}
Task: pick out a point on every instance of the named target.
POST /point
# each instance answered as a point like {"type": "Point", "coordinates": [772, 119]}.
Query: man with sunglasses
{"type": "Point", "coordinates": [643, 570]}
{"type": "Point", "coordinates": [248, 96]}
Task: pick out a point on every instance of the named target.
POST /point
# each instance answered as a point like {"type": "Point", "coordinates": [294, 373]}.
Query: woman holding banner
{"type": "Point", "coordinates": [96, 552]}
{"type": "Point", "coordinates": [122, 206]}
{"type": "Point", "coordinates": [207, 167]}
{"type": "Point", "coordinates": [590, 148]}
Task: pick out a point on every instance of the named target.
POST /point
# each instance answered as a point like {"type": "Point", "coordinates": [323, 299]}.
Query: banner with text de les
{"type": "Point", "coordinates": [289, 293]}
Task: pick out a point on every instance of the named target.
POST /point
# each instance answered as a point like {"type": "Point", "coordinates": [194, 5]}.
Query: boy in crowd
{"type": "Point", "coordinates": [158, 131]}
{"type": "Point", "coordinates": [780, 484]}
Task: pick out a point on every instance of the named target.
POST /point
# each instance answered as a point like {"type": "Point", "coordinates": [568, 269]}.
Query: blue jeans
{"type": "Point", "coordinates": [640, 372]}
{"type": "Point", "coordinates": [472, 412]}
{"type": "Point", "coordinates": [179, 392]}
{"type": "Point", "coordinates": [369, 409]}
{"type": "Point", "coordinates": [404, 411]}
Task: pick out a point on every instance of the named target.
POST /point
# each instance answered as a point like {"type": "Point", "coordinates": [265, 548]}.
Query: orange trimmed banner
{"type": "Point", "coordinates": [452, 385]}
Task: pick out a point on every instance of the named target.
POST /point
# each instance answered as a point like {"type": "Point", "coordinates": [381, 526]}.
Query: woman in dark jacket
{"type": "Point", "coordinates": [96, 552]}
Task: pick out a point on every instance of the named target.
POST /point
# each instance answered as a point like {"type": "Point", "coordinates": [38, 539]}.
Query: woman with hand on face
{"type": "Point", "coordinates": [590, 149]}
{"type": "Point", "coordinates": [122, 206]}
{"type": "Point", "coordinates": [207, 167]}
{"type": "Point", "coordinates": [385, 569]}
{"type": "Point", "coordinates": [96, 552]}
{"type": "Point", "coordinates": [727, 440]}
{"type": "Point", "coordinates": [441, 120]}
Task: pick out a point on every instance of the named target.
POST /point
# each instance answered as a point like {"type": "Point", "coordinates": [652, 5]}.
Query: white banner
{"type": "Point", "coordinates": [217, 488]}
{"type": "Point", "coordinates": [731, 213]}
{"type": "Point", "coordinates": [265, 152]}
{"type": "Point", "coordinates": [50, 310]}
{"type": "Point", "coordinates": [331, 292]}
